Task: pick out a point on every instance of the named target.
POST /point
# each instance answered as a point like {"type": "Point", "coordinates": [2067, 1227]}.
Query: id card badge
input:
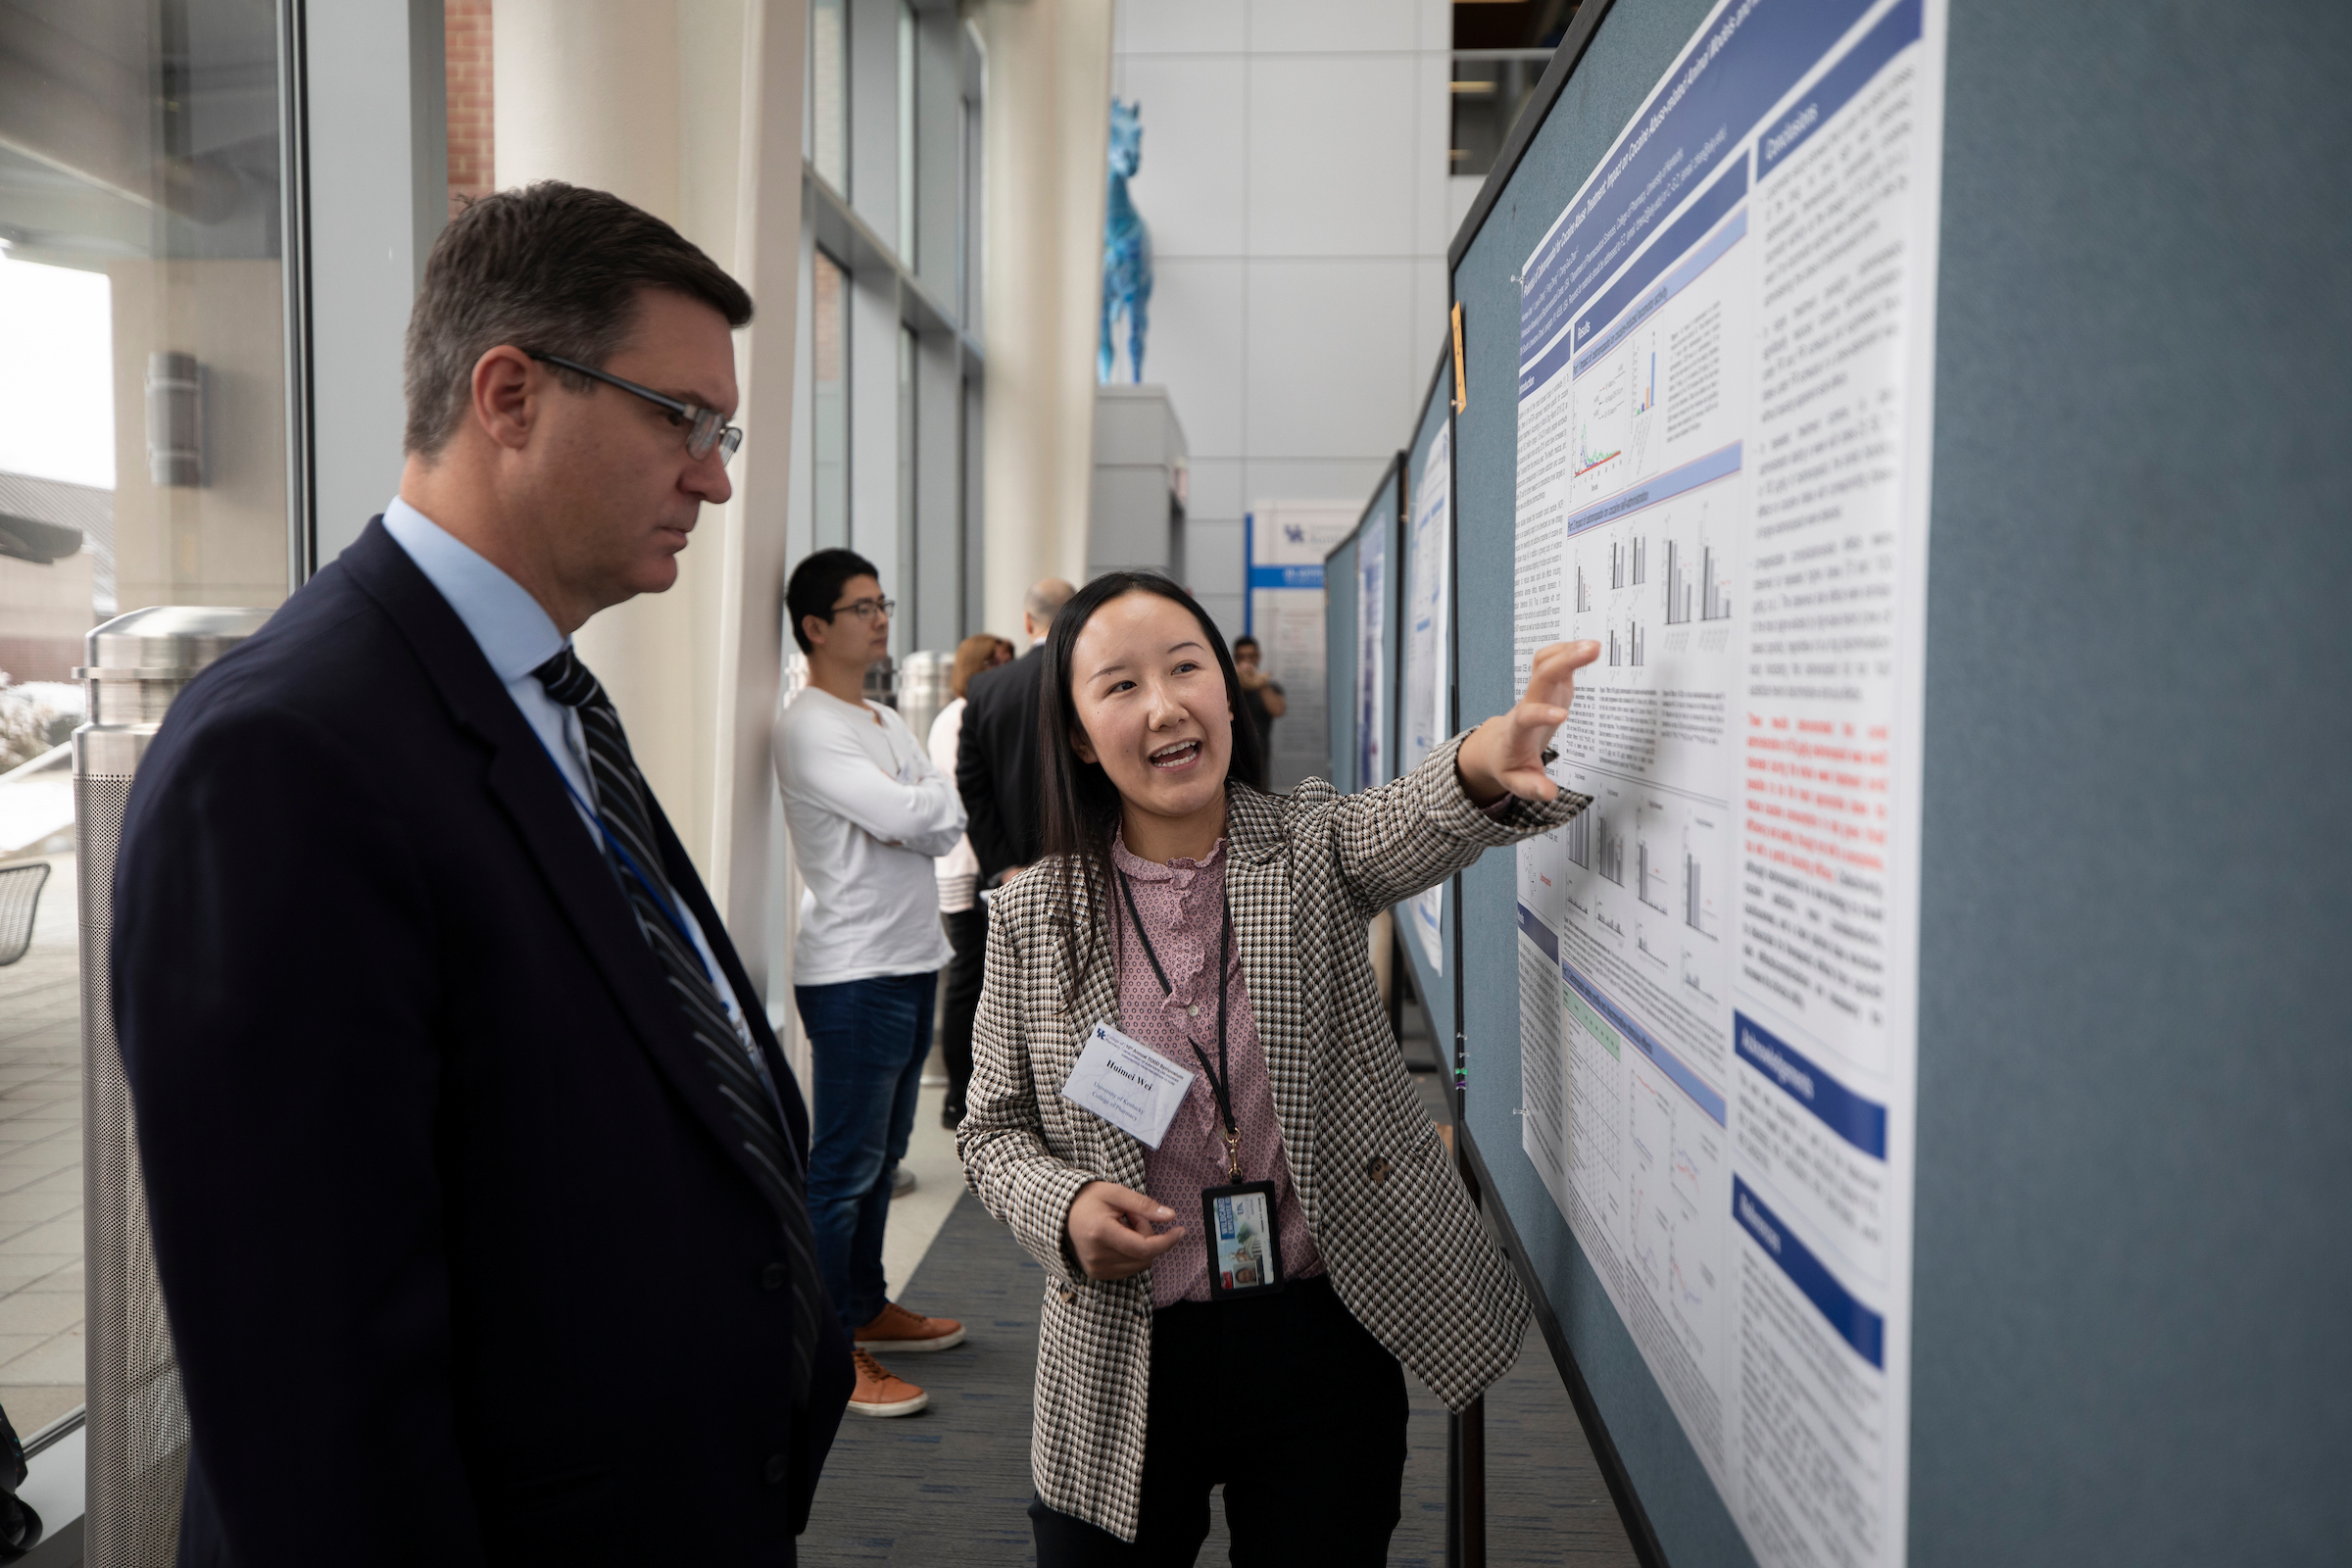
{"type": "Point", "coordinates": [1244, 1246]}
{"type": "Point", "coordinates": [1127, 1084]}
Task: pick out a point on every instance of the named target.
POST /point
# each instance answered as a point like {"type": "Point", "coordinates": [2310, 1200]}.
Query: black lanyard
{"type": "Point", "coordinates": [1220, 1077]}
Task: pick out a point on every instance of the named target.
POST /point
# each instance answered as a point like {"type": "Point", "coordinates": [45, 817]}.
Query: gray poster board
{"type": "Point", "coordinates": [1428, 464]}
{"type": "Point", "coordinates": [2129, 1290]}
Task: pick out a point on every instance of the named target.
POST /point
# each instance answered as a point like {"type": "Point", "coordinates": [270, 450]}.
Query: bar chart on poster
{"type": "Point", "coordinates": [1721, 340]}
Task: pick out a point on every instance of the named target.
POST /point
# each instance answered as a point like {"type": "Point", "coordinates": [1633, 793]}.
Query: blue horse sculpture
{"type": "Point", "coordinates": [1126, 245]}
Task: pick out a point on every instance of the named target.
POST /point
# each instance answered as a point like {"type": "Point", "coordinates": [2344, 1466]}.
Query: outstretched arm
{"type": "Point", "coordinates": [1505, 755]}
{"type": "Point", "coordinates": [1476, 792]}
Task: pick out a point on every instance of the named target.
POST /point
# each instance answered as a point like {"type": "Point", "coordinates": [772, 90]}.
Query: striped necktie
{"type": "Point", "coordinates": [734, 1062]}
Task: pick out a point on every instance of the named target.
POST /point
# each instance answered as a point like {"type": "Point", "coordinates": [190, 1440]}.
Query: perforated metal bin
{"type": "Point", "coordinates": [923, 691]}
{"type": "Point", "coordinates": [137, 1422]}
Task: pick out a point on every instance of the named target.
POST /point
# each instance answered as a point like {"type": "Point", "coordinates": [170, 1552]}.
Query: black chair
{"type": "Point", "coordinates": [20, 895]}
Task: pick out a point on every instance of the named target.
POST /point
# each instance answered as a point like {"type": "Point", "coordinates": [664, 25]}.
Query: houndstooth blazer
{"type": "Point", "coordinates": [1305, 872]}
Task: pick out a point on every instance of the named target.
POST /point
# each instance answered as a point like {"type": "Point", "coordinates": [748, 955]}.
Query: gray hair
{"type": "Point", "coordinates": [1045, 600]}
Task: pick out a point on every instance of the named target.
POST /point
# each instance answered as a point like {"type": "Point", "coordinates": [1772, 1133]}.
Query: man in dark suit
{"type": "Point", "coordinates": [996, 758]}
{"type": "Point", "coordinates": [476, 1174]}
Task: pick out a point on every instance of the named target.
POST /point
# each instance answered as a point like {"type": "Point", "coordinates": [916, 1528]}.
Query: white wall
{"type": "Point", "coordinates": [1048, 116]}
{"type": "Point", "coordinates": [1295, 179]}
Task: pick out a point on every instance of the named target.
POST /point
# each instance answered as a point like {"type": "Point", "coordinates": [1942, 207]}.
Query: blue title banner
{"type": "Point", "coordinates": [1897, 32]}
{"type": "Point", "coordinates": [1539, 933]}
{"type": "Point", "coordinates": [1857, 1325]}
{"type": "Point", "coordinates": [1680, 241]}
{"type": "Point", "coordinates": [1311, 576]}
{"type": "Point", "coordinates": [1721, 86]}
{"type": "Point", "coordinates": [1860, 1122]}
{"type": "Point", "coordinates": [1703, 1094]}
{"type": "Point", "coordinates": [1665, 487]}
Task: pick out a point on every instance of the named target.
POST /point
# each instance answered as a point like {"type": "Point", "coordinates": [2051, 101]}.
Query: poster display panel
{"type": "Point", "coordinates": [1428, 598]}
{"type": "Point", "coordinates": [1371, 624]}
{"type": "Point", "coordinates": [1285, 543]}
{"type": "Point", "coordinates": [1725, 358]}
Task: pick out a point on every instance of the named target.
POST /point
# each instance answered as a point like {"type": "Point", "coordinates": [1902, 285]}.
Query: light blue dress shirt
{"type": "Point", "coordinates": [516, 636]}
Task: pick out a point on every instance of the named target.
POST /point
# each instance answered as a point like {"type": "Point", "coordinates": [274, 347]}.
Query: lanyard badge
{"type": "Point", "coordinates": [1245, 1242]}
{"type": "Point", "coordinates": [1239, 1222]}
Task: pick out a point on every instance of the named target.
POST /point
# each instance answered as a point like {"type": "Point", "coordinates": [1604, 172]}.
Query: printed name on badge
{"type": "Point", "coordinates": [1127, 1084]}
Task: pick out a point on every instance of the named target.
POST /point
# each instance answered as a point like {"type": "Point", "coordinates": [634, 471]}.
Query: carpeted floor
{"type": "Point", "coordinates": [949, 1485]}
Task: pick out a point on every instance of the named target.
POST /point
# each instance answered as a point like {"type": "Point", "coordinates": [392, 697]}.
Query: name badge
{"type": "Point", "coordinates": [1127, 1084]}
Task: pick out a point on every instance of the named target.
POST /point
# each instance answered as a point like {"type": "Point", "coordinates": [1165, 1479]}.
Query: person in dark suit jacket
{"type": "Point", "coordinates": [996, 758]}
{"type": "Point", "coordinates": [475, 1173]}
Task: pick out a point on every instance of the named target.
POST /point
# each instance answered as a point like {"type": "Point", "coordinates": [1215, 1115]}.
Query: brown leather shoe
{"type": "Point", "coordinates": [878, 1392]}
{"type": "Point", "coordinates": [895, 1328]}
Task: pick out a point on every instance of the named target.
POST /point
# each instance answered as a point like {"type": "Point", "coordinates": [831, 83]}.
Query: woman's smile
{"type": "Point", "coordinates": [1148, 694]}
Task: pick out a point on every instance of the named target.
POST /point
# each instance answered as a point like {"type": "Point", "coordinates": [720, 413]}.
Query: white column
{"type": "Point", "coordinates": [770, 261]}
{"type": "Point", "coordinates": [874, 435]}
{"type": "Point", "coordinates": [1047, 128]}
{"type": "Point", "coordinates": [690, 108]}
{"type": "Point", "coordinates": [587, 92]}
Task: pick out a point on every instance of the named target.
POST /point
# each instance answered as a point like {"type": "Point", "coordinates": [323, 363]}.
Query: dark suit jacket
{"type": "Point", "coordinates": [463, 1263]}
{"type": "Point", "coordinates": [996, 765]}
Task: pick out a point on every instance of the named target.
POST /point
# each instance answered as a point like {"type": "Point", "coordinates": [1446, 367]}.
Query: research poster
{"type": "Point", "coordinates": [1371, 623]}
{"type": "Point", "coordinates": [1726, 362]}
{"type": "Point", "coordinates": [1285, 543]}
{"type": "Point", "coordinates": [1429, 561]}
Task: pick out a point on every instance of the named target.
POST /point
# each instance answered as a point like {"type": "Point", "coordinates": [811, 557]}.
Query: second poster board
{"type": "Point", "coordinates": [1284, 544]}
{"type": "Point", "coordinates": [1425, 684]}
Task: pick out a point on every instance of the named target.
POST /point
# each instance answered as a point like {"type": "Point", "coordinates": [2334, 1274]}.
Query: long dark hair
{"type": "Point", "coordinates": [1081, 805]}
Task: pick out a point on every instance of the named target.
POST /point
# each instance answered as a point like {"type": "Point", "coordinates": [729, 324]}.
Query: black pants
{"type": "Point", "coordinates": [967, 934]}
{"type": "Point", "coordinates": [1290, 1402]}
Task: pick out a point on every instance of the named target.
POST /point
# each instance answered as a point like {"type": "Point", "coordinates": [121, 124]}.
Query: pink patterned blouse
{"type": "Point", "coordinates": [1182, 908]}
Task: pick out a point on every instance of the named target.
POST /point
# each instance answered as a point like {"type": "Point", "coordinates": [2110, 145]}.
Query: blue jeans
{"type": "Point", "coordinates": [866, 1042]}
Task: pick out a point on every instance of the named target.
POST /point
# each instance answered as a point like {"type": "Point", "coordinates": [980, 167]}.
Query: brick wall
{"type": "Point", "coordinates": [465, 33]}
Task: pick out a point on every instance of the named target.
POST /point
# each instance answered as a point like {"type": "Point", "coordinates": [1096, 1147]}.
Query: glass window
{"type": "Point", "coordinates": [904, 628]}
{"type": "Point", "coordinates": [829, 91]}
{"type": "Point", "coordinates": [907, 251]}
{"type": "Point", "coordinates": [975, 233]}
{"type": "Point", "coordinates": [829, 401]}
{"type": "Point", "coordinates": [142, 461]}
{"type": "Point", "coordinates": [1490, 87]}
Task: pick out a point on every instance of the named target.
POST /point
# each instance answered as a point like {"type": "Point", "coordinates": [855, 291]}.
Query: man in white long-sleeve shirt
{"type": "Point", "coordinates": [867, 811]}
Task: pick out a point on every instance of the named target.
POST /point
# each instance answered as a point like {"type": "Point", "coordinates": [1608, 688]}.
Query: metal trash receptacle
{"type": "Point", "coordinates": [923, 691]}
{"type": "Point", "coordinates": [137, 1423]}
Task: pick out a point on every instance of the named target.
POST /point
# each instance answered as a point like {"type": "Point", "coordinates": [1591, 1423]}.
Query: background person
{"type": "Point", "coordinates": [996, 761]}
{"type": "Point", "coordinates": [1263, 701]}
{"type": "Point", "coordinates": [426, 1012]}
{"type": "Point", "coordinates": [1224, 930]}
{"type": "Point", "coordinates": [958, 873]}
{"type": "Point", "coordinates": [868, 813]}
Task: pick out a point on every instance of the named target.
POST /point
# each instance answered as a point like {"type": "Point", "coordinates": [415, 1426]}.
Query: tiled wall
{"type": "Point", "coordinates": [1294, 178]}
